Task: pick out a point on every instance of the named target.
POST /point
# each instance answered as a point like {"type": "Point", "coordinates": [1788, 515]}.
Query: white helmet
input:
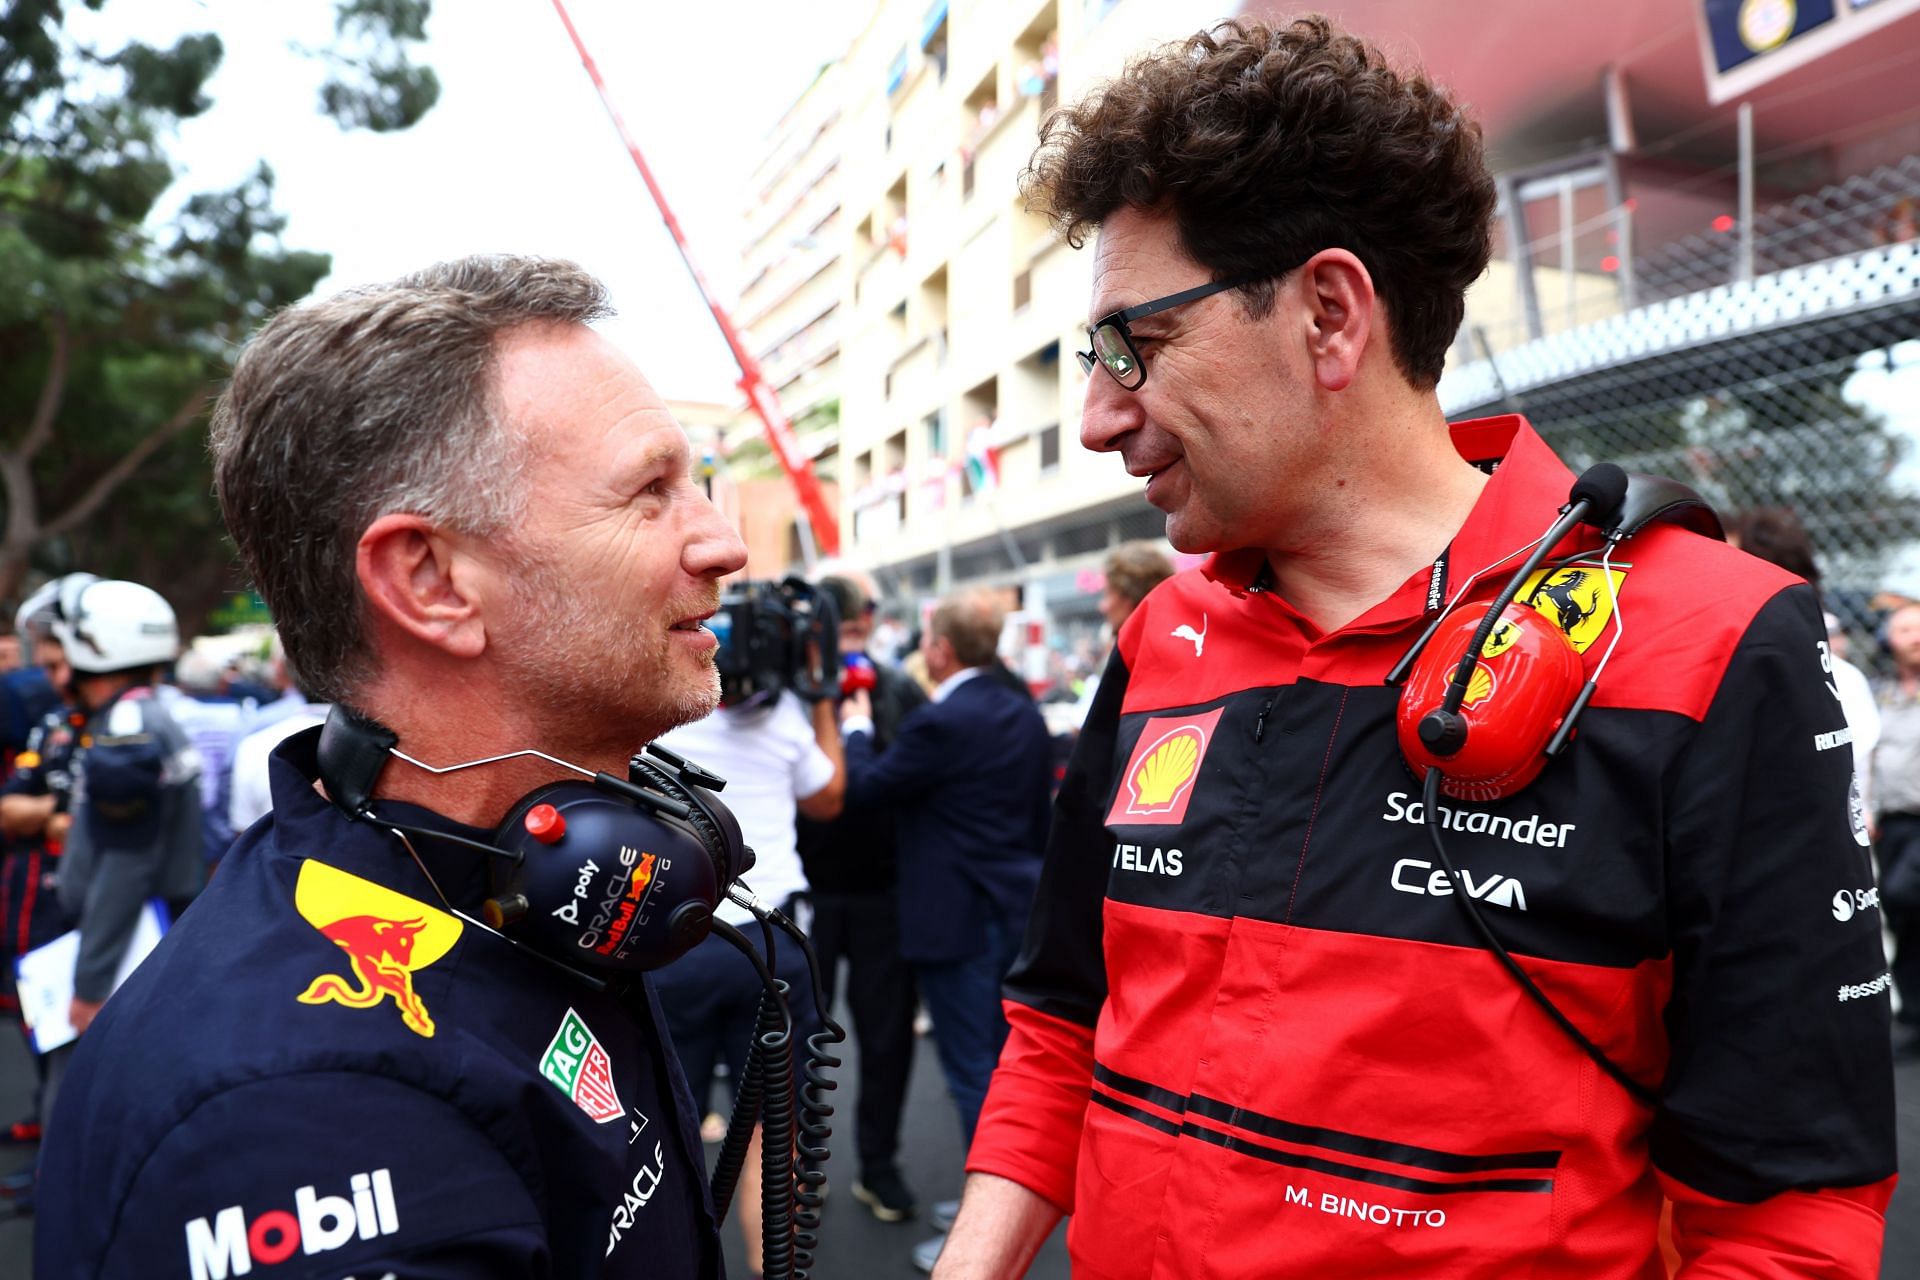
{"type": "Point", "coordinates": [106, 625]}
{"type": "Point", "coordinates": [37, 612]}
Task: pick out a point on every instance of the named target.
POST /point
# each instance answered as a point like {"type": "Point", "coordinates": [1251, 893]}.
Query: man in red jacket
{"type": "Point", "coordinates": [1253, 1031]}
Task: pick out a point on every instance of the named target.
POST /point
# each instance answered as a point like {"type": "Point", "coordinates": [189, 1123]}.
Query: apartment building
{"type": "Point", "coordinates": [796, 261]}
{"type": "Point", "coordinates": [1706, 265]}
{"type": "Point", "coordinates": [897, 277]}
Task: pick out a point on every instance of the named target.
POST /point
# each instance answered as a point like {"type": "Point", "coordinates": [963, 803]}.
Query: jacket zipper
{"type": "Point", "coordinates": [1260, 721]}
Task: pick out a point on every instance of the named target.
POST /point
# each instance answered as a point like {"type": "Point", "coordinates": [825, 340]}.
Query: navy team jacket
{"type": "Point", "coordinates": [321, 1073]}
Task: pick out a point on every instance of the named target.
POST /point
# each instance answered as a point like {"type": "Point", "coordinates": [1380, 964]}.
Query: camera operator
{"type": "Point", "coordinates": [781, 756]}
{"type": "Point", "coordinates": [851, 865]}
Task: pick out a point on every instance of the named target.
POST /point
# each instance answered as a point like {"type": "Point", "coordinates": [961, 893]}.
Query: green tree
{"type": "Point", "coordinates": [115, 330]}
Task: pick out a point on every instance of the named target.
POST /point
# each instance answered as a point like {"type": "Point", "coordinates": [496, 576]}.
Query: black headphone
{"type": "Point", "coordinates": [604, 875]}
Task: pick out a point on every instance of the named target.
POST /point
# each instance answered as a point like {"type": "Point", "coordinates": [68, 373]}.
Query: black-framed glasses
{"type": "Point", "coordinates": [1111, 339]}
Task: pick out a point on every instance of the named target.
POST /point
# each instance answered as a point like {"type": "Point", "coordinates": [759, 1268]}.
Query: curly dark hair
{"type": "Point", "coordinates": [1775, 535]}
{"type": "Point", "coordinates": [1269, 144]}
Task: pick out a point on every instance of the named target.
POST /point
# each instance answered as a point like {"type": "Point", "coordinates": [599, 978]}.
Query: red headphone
{"type": "Point", "coordinates": [1490, 698]}
{"type": "Point", "coordinates": [1521, 691]}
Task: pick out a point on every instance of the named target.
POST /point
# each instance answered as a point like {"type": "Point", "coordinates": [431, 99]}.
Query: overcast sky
{"type": "Point", "coordinates": [518, 155]}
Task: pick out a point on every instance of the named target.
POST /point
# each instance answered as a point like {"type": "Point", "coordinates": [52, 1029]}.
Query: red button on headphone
{"type": "Point", "coordinates": [544, 823]}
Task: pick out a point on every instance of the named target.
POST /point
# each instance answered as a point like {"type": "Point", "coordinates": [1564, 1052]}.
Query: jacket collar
{"type": "Point", "coordinates": [307, 825]}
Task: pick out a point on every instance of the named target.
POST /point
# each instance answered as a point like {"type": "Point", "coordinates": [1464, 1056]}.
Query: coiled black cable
{"type": "Point", "coordinates": [770, 1075]}
{"type": "Point", "coordinates": [814, 1107]}
{"type": "Point", "coordinates": [746, 1111]}
{"type": "Point", "coordinates": [777, 1222]}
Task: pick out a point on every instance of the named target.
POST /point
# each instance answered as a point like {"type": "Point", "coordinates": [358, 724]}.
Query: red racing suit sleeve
{"type": "Point", "coordinates": [1029, 1129]}
{"type": "Point", "coordinates": [1775, 1133]}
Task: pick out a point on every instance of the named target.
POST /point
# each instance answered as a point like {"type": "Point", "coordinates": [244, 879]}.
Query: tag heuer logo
{"type": "Point", "coordinates": [581, 1069]}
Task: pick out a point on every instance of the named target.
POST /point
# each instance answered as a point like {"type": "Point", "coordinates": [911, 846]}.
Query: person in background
{"type": "Point", "coordinates": [781, 757]}
{"type": "Point", "coordinates": [199, 702]}
{"type": "Point", "coordinates": [968, 777]}
{"type": "Point", "coordinates": [26, 694]}
{"type": "Point", "coordinates": [135, 830]}
{"type": "Point", "coordinates": [851, 866]}
{"type": "Point", "coordinates": [1776, 535]}
{"type": "Point", "coordinates": [35, 812]}
{"type": "Point", "coordinates": [249, 789]}
{"type": "Point", "coordinates": [1896, 798]}
{"type": "Point", "coordinates": [1133, 569]}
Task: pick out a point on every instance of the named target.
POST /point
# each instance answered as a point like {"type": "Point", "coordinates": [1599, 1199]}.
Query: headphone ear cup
{"type": "Point", "coordinates": [710, 820]}
{"type": "Point", "coordinates": [1525, 683]}
{"type": "Point", "coordinates": [601, 883]}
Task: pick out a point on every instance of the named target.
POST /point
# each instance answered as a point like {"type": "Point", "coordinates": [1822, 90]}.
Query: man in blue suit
{"type": "Point", "coordinates": [967, 774]}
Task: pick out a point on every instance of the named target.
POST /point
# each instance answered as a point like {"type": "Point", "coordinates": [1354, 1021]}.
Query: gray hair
{"type": "Point", "coordinates": [378, 400]}
{"type": "Point", "coordinates": [970, 621]}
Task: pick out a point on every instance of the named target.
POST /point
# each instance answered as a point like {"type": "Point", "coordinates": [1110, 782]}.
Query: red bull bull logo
{"type": "Point", "coordinates": [386, 936]}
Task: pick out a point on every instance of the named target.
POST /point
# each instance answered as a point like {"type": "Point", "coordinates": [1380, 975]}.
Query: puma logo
{"type": "Point", "coordinates": [1199, 638]}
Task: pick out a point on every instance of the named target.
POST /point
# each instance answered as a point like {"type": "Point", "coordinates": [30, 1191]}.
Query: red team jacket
{"type": "Point", "coordinates": [1253, 1036]}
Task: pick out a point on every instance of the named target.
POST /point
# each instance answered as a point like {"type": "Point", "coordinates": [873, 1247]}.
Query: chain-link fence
{"type": "Point", "coordinates": [1800, 389]}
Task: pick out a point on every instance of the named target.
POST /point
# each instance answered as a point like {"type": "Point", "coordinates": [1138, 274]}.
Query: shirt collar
{"type": "Point", "coordinates": [308, 825]}
{"type": "Point", "coordinates": [954, 681]}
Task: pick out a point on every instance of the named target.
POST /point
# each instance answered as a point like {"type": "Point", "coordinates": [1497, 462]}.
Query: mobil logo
{"type": "Point", "coordinates": [1159, 780]}
{"type": "Point", "coordinates": [228, 1245]}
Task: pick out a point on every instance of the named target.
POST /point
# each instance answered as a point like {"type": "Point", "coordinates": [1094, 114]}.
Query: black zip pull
{"type": "Point", "coordinates": [1260, 721]}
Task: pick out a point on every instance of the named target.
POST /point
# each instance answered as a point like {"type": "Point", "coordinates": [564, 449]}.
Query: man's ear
{"type": "Point", "coordinates": [1341, 310]}
{"type": "Point", "coordinates": [417, 581]}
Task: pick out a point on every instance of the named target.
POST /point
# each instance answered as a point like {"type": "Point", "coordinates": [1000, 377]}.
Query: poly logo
{"type": "Point", "coordinates": [1158, 781]}
{"type": "Point", "coordinates": [386, 936]}
{"type": "Point", "coordinates": [581, 1069]}
{"type": "Point", "coordinates": [228, 1245]}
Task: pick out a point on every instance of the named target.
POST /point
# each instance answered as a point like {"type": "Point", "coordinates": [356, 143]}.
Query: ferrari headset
{"type": "Point", "coordinates": [1487, 699]}
{"type": "Point", "coordinates": [608, 877]}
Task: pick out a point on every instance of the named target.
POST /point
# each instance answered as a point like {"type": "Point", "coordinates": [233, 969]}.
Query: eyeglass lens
{"type": "Point", "coordinates": [1111, 346]}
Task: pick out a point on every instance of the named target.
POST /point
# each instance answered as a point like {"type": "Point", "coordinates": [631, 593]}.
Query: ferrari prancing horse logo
{"type": "Point", "coordinates": [1577, 598]}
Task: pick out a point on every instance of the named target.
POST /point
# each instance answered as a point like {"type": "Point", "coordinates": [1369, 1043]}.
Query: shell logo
{"type": "Point", "coordinates": [1161, 773]}
{"type": "Point", "coordinates": [1479, 686]}
{"type": "Point", "coordinates": [1167, 771]}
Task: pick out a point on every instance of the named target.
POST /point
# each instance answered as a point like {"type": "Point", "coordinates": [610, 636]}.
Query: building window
{"type": "Point", "coordinates": [1050, 447]}
{"type": "Point", "coordinates": [1023, 290]}
{"type": "Point", "coordinates": [936, 425]}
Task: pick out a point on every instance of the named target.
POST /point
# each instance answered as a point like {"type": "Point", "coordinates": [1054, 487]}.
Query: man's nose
{"type": "Point", "coordinates": [1109, 412]}
{"type": "Point", "coordinates": [713, 548]}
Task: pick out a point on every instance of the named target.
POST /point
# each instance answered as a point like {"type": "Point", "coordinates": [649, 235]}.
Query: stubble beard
{"type": "Point", "coordinates": [593, 680]}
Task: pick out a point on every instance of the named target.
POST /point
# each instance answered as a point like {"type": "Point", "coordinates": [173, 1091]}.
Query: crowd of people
{"type": "Point", "coordinates": [1218, 991]}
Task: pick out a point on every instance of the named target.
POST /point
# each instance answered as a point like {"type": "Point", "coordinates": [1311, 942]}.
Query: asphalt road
{"type": "Point", "coordinates": [853, 1244]}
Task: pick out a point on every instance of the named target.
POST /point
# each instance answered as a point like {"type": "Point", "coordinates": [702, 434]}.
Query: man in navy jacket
{"type": "Point", "coordinates": [968, 776]}
{"type": "Point", "coordinates": [476, 523]}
